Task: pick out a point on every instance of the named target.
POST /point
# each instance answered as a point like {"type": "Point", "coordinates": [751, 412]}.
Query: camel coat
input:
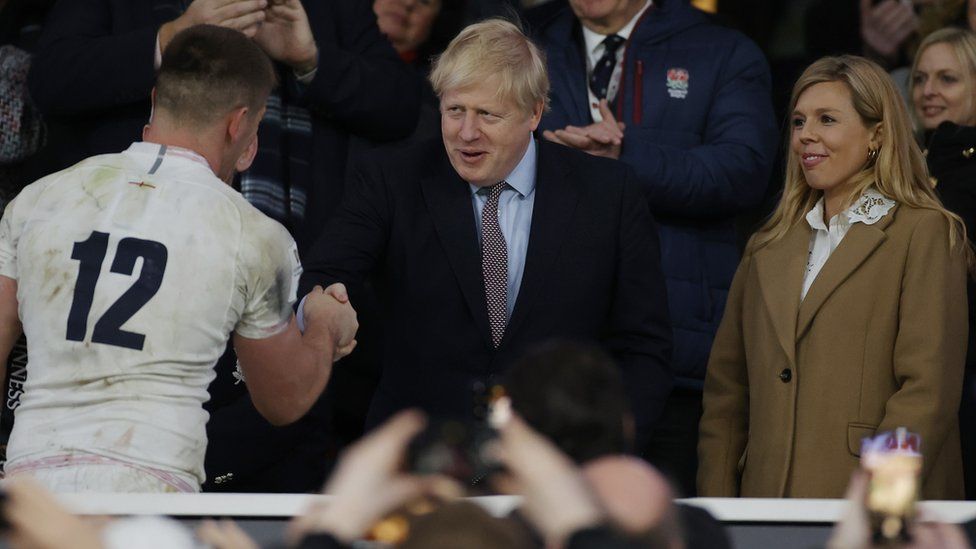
{"type": "Point", "coordinates": [878, 342]}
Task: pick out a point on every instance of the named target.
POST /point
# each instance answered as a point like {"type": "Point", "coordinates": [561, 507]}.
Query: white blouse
{"type": "Point", "coordinates": [868, 209]}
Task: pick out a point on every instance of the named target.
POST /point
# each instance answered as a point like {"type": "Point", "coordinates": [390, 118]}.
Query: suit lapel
{"type": "Point", "coordinates": [567, 66]}
{"type": "Point", "coordinates": [858, 244]}
{"type": "Point", "coordinates": [780, 267]}
{"type": "Point", "coordinates": [556, 197]}
{"type": "Point", "coordinates": [448, 200]}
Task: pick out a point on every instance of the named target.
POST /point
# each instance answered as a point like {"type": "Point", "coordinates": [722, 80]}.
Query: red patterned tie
{"type": "Point", "coordinates": [494, 264]}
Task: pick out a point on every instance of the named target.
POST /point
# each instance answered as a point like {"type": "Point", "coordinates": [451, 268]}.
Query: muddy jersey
{"type": "Point", "coordinates": [132, 270]}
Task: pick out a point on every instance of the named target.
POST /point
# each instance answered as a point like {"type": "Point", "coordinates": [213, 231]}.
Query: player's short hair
{"type": "Point", "coordinates": [208, 71]}
{"type": "Point", "coordinates": [494, 48]}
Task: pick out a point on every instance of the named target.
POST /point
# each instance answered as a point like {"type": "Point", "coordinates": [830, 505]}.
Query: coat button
{"type": "Point", "coordinates": [786, 375]}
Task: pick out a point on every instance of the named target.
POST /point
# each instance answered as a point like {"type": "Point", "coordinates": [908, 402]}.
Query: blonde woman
{"type": "Point", "coordinates": [943, 92]}
{"type": "Point", "coordinates": [847, 315]}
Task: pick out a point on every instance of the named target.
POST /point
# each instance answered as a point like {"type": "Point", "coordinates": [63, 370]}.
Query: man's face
{"type": "Point", "coordinates": [605, 16]}
{"type": "Point", "coordinates": [485, 137]}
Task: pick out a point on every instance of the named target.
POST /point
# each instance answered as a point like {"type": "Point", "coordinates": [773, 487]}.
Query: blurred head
{"type": "Point", "coordinates": [943, 79]}
{"type": "Point", "coordinates": [572, 394]}
{"type": "Point", "coordinates": [898, 169]}
{"type": "Point", "coordinates": [214, 78]}
{"type": "Point", "coordinates": [606, 16]}
{"type": "Point", "coordinates": [636, 496]}
{"type": "Point", "coordinates": [406, 23]}
{"type": "Point", "coordinates": [493, 88]}
{"type": "Point", "coordinates": [464, 524]}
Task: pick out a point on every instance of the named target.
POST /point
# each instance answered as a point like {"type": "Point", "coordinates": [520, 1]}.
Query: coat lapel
{"type": "Point", "coordinates": [448, 199]}
{"type": "Point", "coordinates": [780, 267]}
{"type": "Point", "coordinates": [567, 65]}
{"type": "Point", "coordinates": [859, 243]}
{"type": "Point", "coordinates": [556, 196]}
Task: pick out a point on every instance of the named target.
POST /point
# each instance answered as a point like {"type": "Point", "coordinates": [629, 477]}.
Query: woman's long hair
{"type": "Point", "coordinates": [898, 172]}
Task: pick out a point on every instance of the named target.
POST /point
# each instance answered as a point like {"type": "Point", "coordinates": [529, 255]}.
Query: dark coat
{"type": "Point", "coordinates": [93, 74]}
{"type": "Point", "coordinates": [591, 272]}
{"type": "Point", "coordinates": [702, 154]}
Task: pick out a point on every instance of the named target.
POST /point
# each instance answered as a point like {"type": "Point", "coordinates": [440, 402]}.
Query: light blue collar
{"type": "Point", "coordinates": [522, 178]}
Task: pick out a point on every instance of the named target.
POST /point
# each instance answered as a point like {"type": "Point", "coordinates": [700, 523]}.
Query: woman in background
{"type": "Point", "coordinates": [943, 94]}
{"type": "Point", "coordinates": [847, 314]}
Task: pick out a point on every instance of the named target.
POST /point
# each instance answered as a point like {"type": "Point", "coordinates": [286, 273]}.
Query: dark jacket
{"type": "Point", "coordinates": [700, 135]}
{"type": "Point", "coordinates": [93, 73]}
{"type": "Point", "coordinates": [591, 272]}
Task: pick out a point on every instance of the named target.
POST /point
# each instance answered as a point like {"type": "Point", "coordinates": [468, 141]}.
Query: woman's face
{"type": "Point", "coordinates": [941, 89]}
{"type": "Point", "coordinates": [829, 138]}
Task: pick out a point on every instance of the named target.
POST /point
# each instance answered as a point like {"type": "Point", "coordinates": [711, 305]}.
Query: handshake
{"type": "Point", "coordinates": [328, 314]}
{"type": "Point", "coordinates": [280, 27]}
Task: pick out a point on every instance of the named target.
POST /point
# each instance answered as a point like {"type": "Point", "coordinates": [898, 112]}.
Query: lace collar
{"type": "Point", "coordinates": [867, 209]}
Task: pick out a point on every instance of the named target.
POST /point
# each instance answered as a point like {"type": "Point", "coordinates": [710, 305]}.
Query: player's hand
{"type": "Point", "coordinates": [368, 483]}
{"type": "Point", "coordinates": [329, 310]}
{"type": "Point", "coordinates": [243, 15]}
{"type": "Point", "coordinates": [286, 36]}
{"type": "Point", "coordinates": [886, 26]}
{"type": "Point", "coordinates": [604, 138]}
{"type": "Point", "coordinates": [555, 496]}
{"type": "Point", "coordinates": [38, 521]}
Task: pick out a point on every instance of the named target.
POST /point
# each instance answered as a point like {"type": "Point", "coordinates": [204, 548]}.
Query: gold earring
{"type": "Point", "coordinates": [872, 155]}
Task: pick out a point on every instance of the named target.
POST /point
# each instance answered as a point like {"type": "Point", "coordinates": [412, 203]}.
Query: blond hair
{"type": "Point", "coordinates": [494, 48]}
{"type": "Point", "coordinates": [963, 43]}
{"type": "Point", "coordinates": [898, 171]}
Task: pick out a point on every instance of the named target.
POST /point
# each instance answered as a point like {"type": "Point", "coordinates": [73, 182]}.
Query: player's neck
{"type": "Point", "coordinates": [194, 140]}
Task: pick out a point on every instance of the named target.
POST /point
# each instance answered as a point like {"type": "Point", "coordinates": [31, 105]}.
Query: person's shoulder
{"type": "Point", "coordinates": [402, 160]}
{"type": "Point", "coordinates": [554, 26]}
{"type": "Point", "coordinates": [580, 165]}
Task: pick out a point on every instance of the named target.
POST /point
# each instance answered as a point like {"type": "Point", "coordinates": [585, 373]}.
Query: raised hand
{"type": "Point", "coordinates": [243, 15]}
{"type": "Point", "coordinates": [604, 138]}
{"type": "Point", "coordinates": [287, 37]}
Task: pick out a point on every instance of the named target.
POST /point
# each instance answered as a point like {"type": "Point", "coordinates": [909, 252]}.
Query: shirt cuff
{"type": "Point", "coordinates": [300, 315]}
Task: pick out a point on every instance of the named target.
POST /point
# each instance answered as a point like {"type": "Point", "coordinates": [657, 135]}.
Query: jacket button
{"type": "Point", "coordinates": [786, 375]}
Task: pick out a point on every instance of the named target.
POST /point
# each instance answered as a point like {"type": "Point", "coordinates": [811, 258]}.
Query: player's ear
{"type": "Point", "coordinates": [237, 124]}
{"type": "Point", "coordinates": [152, 113]}
{"type": "Point", "coordinates": [247, 157]}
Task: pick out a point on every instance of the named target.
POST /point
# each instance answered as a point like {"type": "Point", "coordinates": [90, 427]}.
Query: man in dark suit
{"type": "Point", "coordinates": [488, 242]}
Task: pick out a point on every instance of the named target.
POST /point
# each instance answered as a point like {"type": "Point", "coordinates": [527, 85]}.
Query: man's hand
{"type": "Point", "coordinates": [604, 138]}
{"type": "Point", "coordinates": [367, 483]}
{"type": "Point", "coordinates": [38, 521]}
{"type": "Point", "coordinates": [287, 37]}
{"type": "Point", "coordinates": [556, 498]}
{"type": "Point", "coordinates": [886, 26]}
{"type": "Point", "coordinates": [243, 15]}
{"type": "Point", "coordinates": [329, 310]}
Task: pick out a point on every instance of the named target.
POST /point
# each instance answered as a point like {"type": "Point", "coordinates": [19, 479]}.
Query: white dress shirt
{"type": "Point", "coordinates": [867, 209]}
{"type": "Point", "coordinates": [594, 51]}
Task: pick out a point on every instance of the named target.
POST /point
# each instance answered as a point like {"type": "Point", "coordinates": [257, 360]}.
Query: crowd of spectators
{"type": "Point", "coordinates": [705, 247]}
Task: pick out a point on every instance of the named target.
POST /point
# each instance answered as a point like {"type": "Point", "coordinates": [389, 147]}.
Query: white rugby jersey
{"type": "Point", "coordinates": [133, 269]}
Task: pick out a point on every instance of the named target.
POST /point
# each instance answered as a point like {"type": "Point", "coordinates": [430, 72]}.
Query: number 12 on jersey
{"type": "Point", "coordinates": [91, 254]}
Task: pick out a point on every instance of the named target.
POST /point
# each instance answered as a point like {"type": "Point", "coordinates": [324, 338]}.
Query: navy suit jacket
{"type": "Point", "coordinates": [592, 272]}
